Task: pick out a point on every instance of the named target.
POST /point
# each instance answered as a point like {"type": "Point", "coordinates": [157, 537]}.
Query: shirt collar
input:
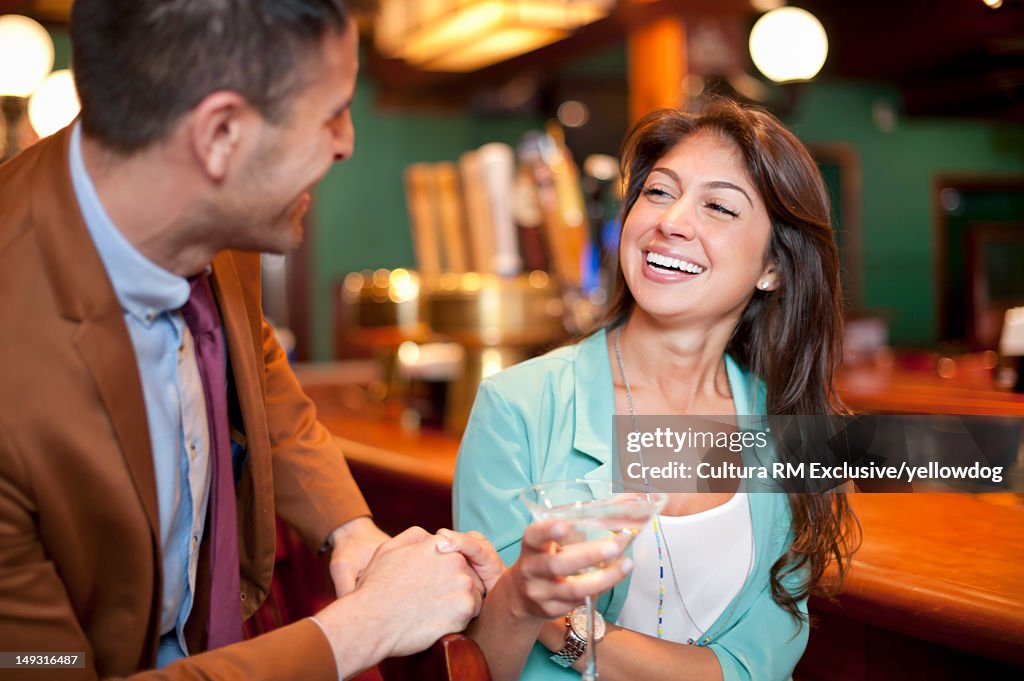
{"type": "Point", "coordinates": [144, 289]}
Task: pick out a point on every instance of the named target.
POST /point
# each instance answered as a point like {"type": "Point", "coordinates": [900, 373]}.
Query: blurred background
{"type": "Point", "coordinates": [917, 118]}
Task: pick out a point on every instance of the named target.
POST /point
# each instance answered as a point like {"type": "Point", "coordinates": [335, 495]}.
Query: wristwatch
{"type": "Point", "coordinates": [576, 636]}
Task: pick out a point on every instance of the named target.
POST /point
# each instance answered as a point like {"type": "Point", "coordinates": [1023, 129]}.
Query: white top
{"type": "Point", "coordinates": [712, 553]}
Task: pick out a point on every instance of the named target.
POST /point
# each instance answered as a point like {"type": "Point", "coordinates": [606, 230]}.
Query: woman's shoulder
{"type": "Point", "coordinates": [557, 368]}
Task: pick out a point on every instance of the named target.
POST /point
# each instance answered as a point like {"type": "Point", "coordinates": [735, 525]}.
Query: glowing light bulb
{"type": "Point", "coordinates": [788, 44]}
{"type": "Point", "coordinates": [54, 104]}
{"type": "Point", "coordinates": [26, 55]}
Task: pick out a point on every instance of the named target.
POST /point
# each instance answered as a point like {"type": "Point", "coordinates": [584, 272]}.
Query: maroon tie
{"type": "Point", "coordinates": [203, 321]}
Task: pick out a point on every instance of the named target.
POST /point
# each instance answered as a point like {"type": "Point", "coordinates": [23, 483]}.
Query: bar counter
{"type": "Point", "coordinates": [937, 586]}
{"type": "Point", "coordinates": [895, 389]}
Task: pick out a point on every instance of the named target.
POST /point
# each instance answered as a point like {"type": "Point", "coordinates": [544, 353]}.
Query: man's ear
{"type": "Point", "coordinates": [215, 130]}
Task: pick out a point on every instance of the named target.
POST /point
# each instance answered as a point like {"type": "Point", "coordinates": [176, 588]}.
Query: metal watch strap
{"type": "Point", "coordinates": [572, 649]}
{"type": "Point", "coordinates": [574, 645]}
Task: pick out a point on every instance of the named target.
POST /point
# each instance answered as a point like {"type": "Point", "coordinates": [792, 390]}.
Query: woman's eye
{"type": "Point", "coordinates": [719, 208]}
{"type": "Point", "coordinates": [656, 193]}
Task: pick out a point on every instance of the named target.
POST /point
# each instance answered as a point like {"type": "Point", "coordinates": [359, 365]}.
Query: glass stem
{"type": "Point", "coordinates": [590, 668]}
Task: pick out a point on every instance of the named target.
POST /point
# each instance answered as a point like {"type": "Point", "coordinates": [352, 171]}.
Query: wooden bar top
{"type": "Point", "coordinates": [370, 434]}
{"type": "Point", "coordinates": [945, 568]}
{"type": "Point", "coordinates": [897, 390]}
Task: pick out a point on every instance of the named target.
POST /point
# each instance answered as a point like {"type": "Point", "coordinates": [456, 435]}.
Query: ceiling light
{"type": "Point", "coordinates": [26, 55]}
{"type": "Point", "coordinates": [465, 35]}
{"type": "Point", "coordinates": [54, 104]}
{"type": "Point", "coordinates": [788, 44]}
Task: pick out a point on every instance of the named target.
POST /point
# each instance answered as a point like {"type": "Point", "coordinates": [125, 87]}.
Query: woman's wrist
{"type": "Point", "coordinates": [552, 634]}
{"type": "Point", "coordinates": [510, 590]}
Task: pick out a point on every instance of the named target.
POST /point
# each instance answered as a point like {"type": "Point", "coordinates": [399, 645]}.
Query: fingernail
{"type": "Point", "coordinates": [627, 565]}
{"type": "Point", "coordinates": [610, 550]}
{"type": "Point", "coordinates": [444, 547]}
{"type": "Point", "coordinates": [559, 530]}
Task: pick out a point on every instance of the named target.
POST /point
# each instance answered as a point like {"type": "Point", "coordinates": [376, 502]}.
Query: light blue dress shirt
{"type": "Point", "coordinates": [175, 405]}
{"type": "Point", "coordinates": [550, 418]}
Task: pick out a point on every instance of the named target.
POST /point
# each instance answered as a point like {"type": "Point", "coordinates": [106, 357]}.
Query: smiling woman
{"type": "Point", "coordinates": [726, 253]}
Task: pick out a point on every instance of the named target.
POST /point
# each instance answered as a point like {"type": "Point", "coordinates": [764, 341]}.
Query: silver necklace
{"type": "Point", "coordinates": [703, 636]}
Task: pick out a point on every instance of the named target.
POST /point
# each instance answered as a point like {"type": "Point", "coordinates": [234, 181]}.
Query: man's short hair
{"type": "Point", "coordinates": [142, 64]}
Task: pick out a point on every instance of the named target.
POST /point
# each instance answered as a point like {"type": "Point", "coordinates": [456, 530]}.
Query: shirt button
{"type": "Point", "coordinates": [192, 452]}
{"type": "Point", "coordinates": [150, 314]}
{"type": "Point", "coordinates": [242, 595]}
{"type": "Point", "coordinates": [195, 542]}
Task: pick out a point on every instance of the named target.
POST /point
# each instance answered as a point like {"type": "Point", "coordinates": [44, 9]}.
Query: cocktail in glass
{"type": "Point", "coordinates": [595, 510]}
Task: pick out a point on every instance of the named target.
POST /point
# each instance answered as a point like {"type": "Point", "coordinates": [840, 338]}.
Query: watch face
{"type": "Point", "coordinates": [578, 621]}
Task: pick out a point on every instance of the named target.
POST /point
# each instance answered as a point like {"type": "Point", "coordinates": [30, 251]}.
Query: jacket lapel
{"type": "Point", "coordinates": [595, 405]}
{"type": "Point", "coordinates": [84, 295]}
{"type": "Point", "coordinates": [243, 330]}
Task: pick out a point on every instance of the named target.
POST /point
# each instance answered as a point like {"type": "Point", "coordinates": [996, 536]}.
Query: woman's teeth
{"type": "Point", "coordinates": [673, 263]}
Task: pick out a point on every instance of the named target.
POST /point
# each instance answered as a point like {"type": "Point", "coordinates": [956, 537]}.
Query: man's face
{"type": "Point", "coordinates": [271, 190]}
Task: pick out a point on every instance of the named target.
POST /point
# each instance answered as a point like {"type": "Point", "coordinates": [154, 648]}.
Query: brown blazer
{"type": "Point", "coordinates": [80, 559]}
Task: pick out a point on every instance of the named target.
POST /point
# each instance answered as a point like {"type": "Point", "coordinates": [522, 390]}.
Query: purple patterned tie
{"type": "Point", "coordinates": [200, 312]}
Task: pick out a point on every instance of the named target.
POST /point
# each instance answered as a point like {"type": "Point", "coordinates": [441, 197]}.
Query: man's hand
{"type": "Point", "coordinates": [354, 544]}
{"type": "Point", "coordinates": [409, 595]}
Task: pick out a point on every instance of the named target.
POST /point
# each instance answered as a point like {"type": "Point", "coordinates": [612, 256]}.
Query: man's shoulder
{"type": "Point", "coordinates": [20, 258]}
{"type": "Point", "coordinates": [15, 190]}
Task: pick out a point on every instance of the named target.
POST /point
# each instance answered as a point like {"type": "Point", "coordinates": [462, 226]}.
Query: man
{"type": "Point", "coordinates": [205, 124]}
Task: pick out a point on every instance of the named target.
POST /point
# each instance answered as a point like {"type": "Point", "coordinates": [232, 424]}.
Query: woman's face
{"type": "Point", "coordinates": [693, 246]}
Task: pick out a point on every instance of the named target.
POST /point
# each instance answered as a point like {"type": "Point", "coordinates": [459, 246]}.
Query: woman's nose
{"type": "Point", "coordinates": [675, 222]}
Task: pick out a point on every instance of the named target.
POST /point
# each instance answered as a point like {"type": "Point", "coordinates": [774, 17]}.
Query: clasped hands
{"type": "Point", "coordinates": [359, 542]}
{"type": "Point", "coordinates": [410, 590]}
{"type": "Point", "coordinates": [545, 578]}
{"type": "Point", "coordinates": [399, 595]}
{"type": "Point", "coordinates": [548, 579]}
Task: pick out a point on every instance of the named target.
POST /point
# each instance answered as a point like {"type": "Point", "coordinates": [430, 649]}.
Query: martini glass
{"type": "Point", "coordinates": [595, 510]}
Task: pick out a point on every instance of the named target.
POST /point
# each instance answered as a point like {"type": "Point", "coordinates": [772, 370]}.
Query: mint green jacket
{"type": "Point", "coordinates": [551, 418]}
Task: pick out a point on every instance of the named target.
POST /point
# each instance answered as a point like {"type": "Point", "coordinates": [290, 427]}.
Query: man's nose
{"type": "Point", "coordinates": [344, 139]}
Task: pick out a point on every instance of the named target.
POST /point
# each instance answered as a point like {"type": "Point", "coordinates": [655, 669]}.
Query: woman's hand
{"type": "Point", "coordinates": [477, 551]}
{"type": "Point", "coordinates": [541, 585]}
{"type": "Point", "coordinates": [546, 582]}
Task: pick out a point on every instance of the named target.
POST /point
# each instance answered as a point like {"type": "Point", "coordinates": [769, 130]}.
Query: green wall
{"type": "Point", "coordinates": [898, 170]}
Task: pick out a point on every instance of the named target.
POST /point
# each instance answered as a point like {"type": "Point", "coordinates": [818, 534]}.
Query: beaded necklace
{"type": "Point", "coordinates": [659, 534]}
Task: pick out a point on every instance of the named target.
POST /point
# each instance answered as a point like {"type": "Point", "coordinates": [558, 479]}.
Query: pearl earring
{"type": "Point", "coordinates": [764, 285]}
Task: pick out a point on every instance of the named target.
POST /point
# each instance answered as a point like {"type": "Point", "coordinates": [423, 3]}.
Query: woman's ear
{"type": "Point", "coordinates": [769, 279]}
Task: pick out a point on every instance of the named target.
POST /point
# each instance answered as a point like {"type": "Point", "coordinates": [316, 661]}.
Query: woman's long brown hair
{"type": "Point", "coordinates": [790, 338]}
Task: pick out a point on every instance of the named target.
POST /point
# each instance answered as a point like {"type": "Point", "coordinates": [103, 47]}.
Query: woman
{"type": "Point", "coordinates": [727, 302]}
